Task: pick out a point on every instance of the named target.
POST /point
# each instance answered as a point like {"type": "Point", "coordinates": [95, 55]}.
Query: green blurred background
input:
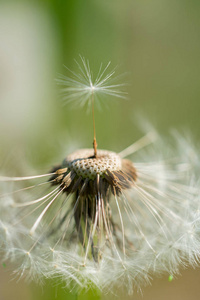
{"type": "Point", "coordinates": [157, 43]}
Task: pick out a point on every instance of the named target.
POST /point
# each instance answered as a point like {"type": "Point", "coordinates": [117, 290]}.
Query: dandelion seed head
{"type": "Point", "coordinates": [103, 218]}
{"type": "Point", "coordinates": [104, 221]}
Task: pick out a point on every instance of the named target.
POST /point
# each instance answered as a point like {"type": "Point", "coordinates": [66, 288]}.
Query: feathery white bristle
{"type": "Point", "coordinates": [4, 178]}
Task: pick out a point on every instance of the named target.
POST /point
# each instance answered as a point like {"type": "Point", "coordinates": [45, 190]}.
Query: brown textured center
{"type": "Point", "coordinates": [85, 165]}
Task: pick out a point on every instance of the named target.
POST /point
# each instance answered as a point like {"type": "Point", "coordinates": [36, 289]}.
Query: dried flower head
{"type": "Point", "coordinates": [105, 219]}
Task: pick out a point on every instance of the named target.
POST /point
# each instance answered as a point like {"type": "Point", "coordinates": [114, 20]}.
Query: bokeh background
{"type": "Point", "coordinates": [156, 43]}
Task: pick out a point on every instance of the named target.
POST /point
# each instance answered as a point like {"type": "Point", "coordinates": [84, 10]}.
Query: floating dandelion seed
{"type": "Point", "coordinates": [105, 219]}
{"type": "Point", "coordinates": [82, 88]}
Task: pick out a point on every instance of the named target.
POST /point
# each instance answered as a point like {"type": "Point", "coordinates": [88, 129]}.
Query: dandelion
{"type": "Point", "coordinates": [103, 218]}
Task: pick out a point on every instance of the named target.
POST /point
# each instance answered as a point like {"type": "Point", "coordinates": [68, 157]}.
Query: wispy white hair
{"type": "Point", "coordinates": [158, 220]}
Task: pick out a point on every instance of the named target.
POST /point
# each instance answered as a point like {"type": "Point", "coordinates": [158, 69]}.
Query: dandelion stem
{"type": "Point", "coordinates": [94, 141]}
